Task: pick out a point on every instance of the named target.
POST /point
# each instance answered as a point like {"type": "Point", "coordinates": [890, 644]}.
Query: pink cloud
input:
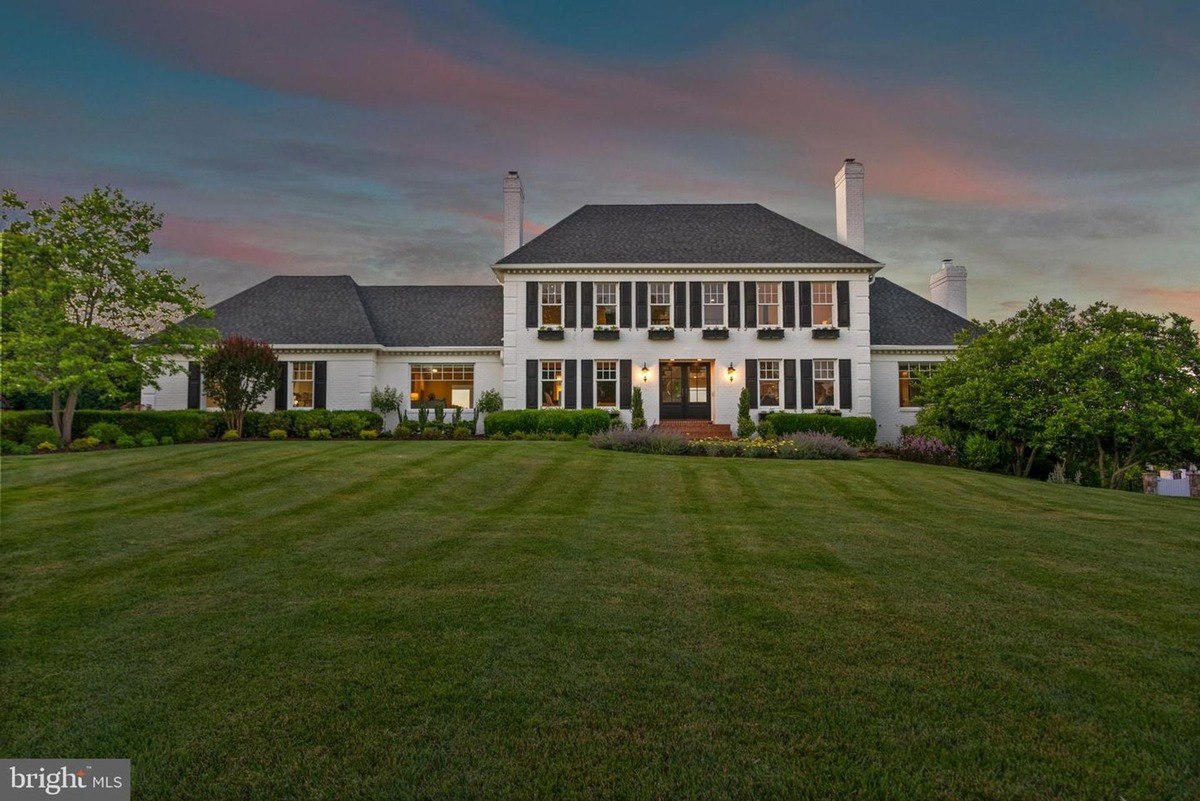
{"type": "Point", "coordinates": [353, 52]}
{"type": "Point", "coordinates": [211, 239]}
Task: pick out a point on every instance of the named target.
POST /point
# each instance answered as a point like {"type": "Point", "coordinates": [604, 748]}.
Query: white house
{"type": "Point", "coordinates": [689, 302]}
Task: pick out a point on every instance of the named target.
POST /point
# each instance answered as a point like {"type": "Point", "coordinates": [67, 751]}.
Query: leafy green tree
{"type": "Point", "coordinates": [238, 375]}
{"type": "Point", "coordinates": [78, 312]}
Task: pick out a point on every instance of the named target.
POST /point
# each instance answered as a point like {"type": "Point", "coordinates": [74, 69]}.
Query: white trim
{"type": "Point", "coordinates": [636, 268]}
{"type": "Point", "coordinates": [893, 350]}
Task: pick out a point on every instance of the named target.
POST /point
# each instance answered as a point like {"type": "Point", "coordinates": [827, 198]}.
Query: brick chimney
{"type": "Point", "coordinates": [514, 212]}
{"type": "Point", "coordinates": [948, 287]}
{"type": "Point", "coordinates": [850, 203]}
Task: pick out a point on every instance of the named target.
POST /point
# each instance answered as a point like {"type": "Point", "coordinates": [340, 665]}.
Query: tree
{"type": "Point", "coordinates": [637, 415]}
{"type": "Point", "coordinates": [386, 400]}
{"type": "Point", "coordinates": [238, 374]}
{"type": "Point", "coordinates": [79, 312]}
{"type": "Point", "coordinates": [745, 426]}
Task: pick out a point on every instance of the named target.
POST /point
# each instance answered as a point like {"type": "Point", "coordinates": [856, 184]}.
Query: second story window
{"type": "Point", "coordinates": [822, 303]}
{"type": "Point", "coordinates": [606, 384]}
{"type": "Point", "coordinates": [768, 305]}
{"type": "Point", "coordinates": [714, 304]}
{"type": "Point", "coordinates": [768, 382]}
{"type": "Point", "coordinates": [606, 303]}
{"type": "Point", "coordinates": [660, 304]}
{"type": "Point", "coordinates": [824, 381]}
{"type": "Point", "coordinates": [552, 310]}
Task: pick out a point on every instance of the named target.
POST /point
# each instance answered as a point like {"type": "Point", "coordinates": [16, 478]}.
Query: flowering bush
{"type": "Point", "coordinates": [800, 446]}
{"type": "Point", "coordinates": [84, 444]}
{"type": "Point", "coordinates": [642, 441]}
{"type": "Point", "coordinates": [925, 449]}
{"type": "Point", "coordinates": [816, 445]}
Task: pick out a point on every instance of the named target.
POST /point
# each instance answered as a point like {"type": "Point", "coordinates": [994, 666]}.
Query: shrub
{"type": "Point", "coordinates": [84, 444]}
{"type": "Point", "coordinates": [21, 450]}
{"type": "Point", "coordinates": [126, 442]}
{"type": "Point", "coordinates": [14, 425]}
{"type": "Point", "coordinates": [547, 421]}
{"type": "Point", "coordinates": [981, 453]}
{"type": "Point", "coordinates": [148, 440]}
{"type": "Point", "coordinates": [766, 430]}
{"type": "Point", "coordinates": [7, 445]}
{"type": "Point", "coordinates": [432, 431]}
{"type": "Point", "coordinates": [305, 422]}
{"type": "Point", "coordinates": [104, 432]}
{"type": "Point", "coordinates": [166, 441]}
{"type": "Point", "coordinates": [190, 431]}
{"type": "Point", "coordinates": [320, 433]}
{"type": "Point", "coordinates": [816, 445]}
{"type": "Point", "coordinates": [402, 431]}
{"type": "Point", "coordinates": [857, 430]}
{"type": "Point", "coordinates": [462, 432]}
{"type": "Point", "coordinates": [637, 415]}
{"type": "Point", "coordinates": [643, 441]}
{"type": "Point", "coordinates": [185, 425]}
{"type": "Point", "coordinates": [745, 427]}
{"type": "Point", "coordinates": [498, 436]}
{"type": "Point", "coordinates": [925, 449]}
{"type": "Point", "coordinates": [489, 402]}
{"type": "Point", "coordinates": [230, 434]}
{"type": "Point", "coordinates": [368, 433]}
{"type": "Point", "coordinates": [37, 434]}
{"type": "Point", "coordinates": [277, 434]}
{"type": "Point", "coordinates": [47, 446]}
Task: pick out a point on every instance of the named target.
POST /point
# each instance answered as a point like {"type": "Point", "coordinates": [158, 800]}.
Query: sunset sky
{"type": "Point", "coordinates": [1052, 148]}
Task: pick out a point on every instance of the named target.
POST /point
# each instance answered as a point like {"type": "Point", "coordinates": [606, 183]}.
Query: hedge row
{"type": "Point", "coordinates": [858, 430]}
{"type": "Point", "coordinates": [548, 421]}
{"type": "Point", "coordinates": [191, 425]}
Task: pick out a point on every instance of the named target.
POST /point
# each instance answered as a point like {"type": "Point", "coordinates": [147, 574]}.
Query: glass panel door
{"type": "Point", "coordinates": [670, 391]}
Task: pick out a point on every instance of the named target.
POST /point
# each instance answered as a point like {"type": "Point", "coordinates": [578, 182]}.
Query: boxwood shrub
{"type": "Point", "coordinates": [192, 425]}
{"type": "Point", "coordinates": [547, 421]}
{"type": "Point", "coordinates": [856, 430]}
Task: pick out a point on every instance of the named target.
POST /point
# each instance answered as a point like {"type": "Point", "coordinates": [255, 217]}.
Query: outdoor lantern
{"type": "Point", "coordinates": [645, 373]}
{"type": "Point", "coordinates": [731, 372]}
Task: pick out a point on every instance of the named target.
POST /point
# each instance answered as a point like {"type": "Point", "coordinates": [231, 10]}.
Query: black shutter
{"type": "Point", "coordinates": [735, 304]}
{"type": "Point", "coordinates": [193, 385]}
{"type": "Point", "coordinates": [626, 384]}
{"type": "Point", "coordinates": [625, 301]}
{"type": "Point", "coordinates": [806, 387]}
{"type": "Point", "coordinates": [642, 310]}
{"type": "Point", "coordinates": [789, 383]}
{"type": "Point", "coordinates": [569, 384]}
{"type": "Point", "coordinates": [281, 387]}
{"type": "Point", "coordinates": [695, 321]}
{"type": "Point", "coordinates": [843, 303]}
{"type": "Point", "coordinates": [751, 304]}
{"type": "Point", "coordinates": [585, 304]}
{"type": "Point", "coordinates": [752, 381]}
{"type": "Point", "coordinates": [320, 370]}
{"type": "Point", "coordinates": [531, 383]}
{"type": "Point", "coordinates": [569, 304]}
{"type": "Point", "coordinates": [789, 304]}
{"type": "Point", "coordinates": [585, 384]}
{"type": "Point", "coordinates": [806, 304]}
{"type": "Point", "coordinates": [531, 304]}
{"type": "Point", "coordinates": [680, 304]}
{"type": "Point", "coordinates": [845, 384]}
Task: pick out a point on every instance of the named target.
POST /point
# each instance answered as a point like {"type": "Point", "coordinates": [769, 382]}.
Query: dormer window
{"type": "Point", "coordinates": [552, 304]}
{"type": "Point", "coordinates": [823, 302]}
{"type": "Point", "coordinates": [606, 293]}
{"type": "Point", "coordinates": [660, 304]}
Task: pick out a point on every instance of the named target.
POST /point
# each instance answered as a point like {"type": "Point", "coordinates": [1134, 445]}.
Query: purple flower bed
{"type": "Point", "coordinates": [929, 450]}
{"type": "Point", "coordinates": [806, 445]}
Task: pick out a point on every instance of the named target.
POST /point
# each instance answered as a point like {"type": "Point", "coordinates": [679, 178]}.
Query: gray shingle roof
{"type": "Point", "coordinates": [901, 317]}
{"type": "Point", "coordinates": [334, 310]}
{"type": "Point", "coordinates": [681, 233]}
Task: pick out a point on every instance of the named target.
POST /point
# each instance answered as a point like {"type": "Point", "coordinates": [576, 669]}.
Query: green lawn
{"type": "Point", "coordinates": [392, 619]}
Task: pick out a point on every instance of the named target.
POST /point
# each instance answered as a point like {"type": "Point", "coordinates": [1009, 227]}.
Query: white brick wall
{"type": "Point", "coordinates": [885, 387]}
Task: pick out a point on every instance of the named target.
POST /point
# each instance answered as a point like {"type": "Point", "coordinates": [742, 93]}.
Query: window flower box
{"type": "Point", "coordinates": [662, 333]}
{"type": "Point", "coordinates": [715, 333]}
{"type": "Point", "coordinates": [606, 333]}
{"type": "Point", "coordinates": [770, 333]}
{"type": "Point", "coordinates": [550, 334]}
{"type": "Point", "coordinates": [826, 333]}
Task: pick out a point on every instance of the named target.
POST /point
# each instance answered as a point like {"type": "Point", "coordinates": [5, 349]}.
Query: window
{"type": "Point", "coordinates": [606, 384]}
{"type": "Point", "coordinates": [911, 374]}
{"type": "Point", "coordinates": [552, 384]}
{"type": "Point", "coordinates": [713, 293]}
{"type": "Point", "coordinates": [824, 382]}
{"type": "Point", "coordinates": [822, 303]}
{"type": "Point", "coordinates": [443, 384]}
{"type": "Point", "coordinates": [552, 310]}
{"type": "Point", "coordinates": [660, 304]}
{"type": "Point", "coordinates": [606, 303]}
{"type": "Point", "coordinates": [768, 305]}
{"type": "Point", "coordinates": [302, 385]}
{"type": "Point", "coordinates": [768, 382]}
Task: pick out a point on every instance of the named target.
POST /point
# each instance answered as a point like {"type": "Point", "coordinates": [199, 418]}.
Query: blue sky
{"type": "Point", "coordinates": [1052, 148]}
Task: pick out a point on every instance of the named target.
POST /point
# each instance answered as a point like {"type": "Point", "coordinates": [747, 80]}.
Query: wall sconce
{"type": "Point", "coordinates": [731, 372]}
{"type": "Point", "coordinates": [645, 373]}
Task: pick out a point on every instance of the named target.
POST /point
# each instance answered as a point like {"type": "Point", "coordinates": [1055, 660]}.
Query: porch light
{"type": "Point", "coordinates": [645, 373]}
{"type": "Point", "coordinates": [731, 372]}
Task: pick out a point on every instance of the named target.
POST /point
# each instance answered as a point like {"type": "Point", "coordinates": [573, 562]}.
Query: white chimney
{"type": "Point", "coordinates": [948, 287]}
{"type": "Point", "coordinates": [849, 199]}
{"type": "Point", "coordinates": [514, 212]}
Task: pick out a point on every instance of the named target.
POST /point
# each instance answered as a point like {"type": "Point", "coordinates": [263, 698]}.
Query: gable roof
{"type": "Point", "coordinates": [902, 317]}
{"type": "Point", "coordinates": [681, 233]}
{"type": "Point", "coordinates": [335, 310]}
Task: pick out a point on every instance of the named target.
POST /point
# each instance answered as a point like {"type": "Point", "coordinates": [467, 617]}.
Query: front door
{"type": "Point", "coordinates": [683, 391]}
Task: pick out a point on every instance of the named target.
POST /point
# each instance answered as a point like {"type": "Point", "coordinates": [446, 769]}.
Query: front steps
{"type": "Point", "coordinates": [695, 429]}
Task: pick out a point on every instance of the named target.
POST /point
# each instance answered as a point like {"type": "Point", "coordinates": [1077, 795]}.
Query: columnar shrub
{"type": "Point", "coordinates": [637, 413]}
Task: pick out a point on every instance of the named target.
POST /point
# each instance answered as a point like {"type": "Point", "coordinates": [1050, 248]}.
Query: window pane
{"type": "Point", "coordinates": [822, 303]}
{"type": "Point", "coordinates": [714, 292]}
{"type": "Point", "coordinates": [606, 303]}
{"type": "Point", "coordinates": [606, 393]}
{"type": "Point", "coordinates": [824, 372]}
{"type": "Point", "coordinates": [823, 392]}
{"type": "Point", "coordinates": [442, 383]}
{"type": "Point", "coordinates": [551, 303]}
{"type": "Point", "coordinates": [302, 385]}
{"type": "Point", "coordinates": [910, 381]}
{"type": "Point", "coordinates": [768, 304]}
